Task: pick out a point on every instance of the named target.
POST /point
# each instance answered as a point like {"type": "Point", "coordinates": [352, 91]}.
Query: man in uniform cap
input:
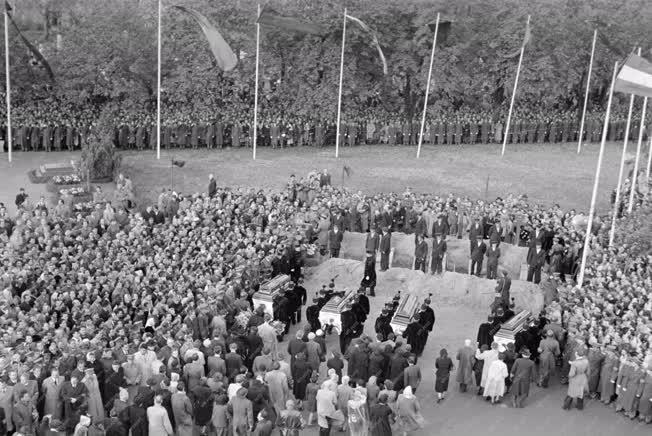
{"type": "Point", "coordinates": [312, 315]}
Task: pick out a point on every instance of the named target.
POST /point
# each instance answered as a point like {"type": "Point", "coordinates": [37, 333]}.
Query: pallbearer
{"type": "Point", "coordinates": [382, 325]}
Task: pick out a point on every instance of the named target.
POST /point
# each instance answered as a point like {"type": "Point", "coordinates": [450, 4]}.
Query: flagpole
{"type": "Point", "coordinates": [255, 139]}
{"type": "Point", "coordinates": [649, 159]}
{"type": "Point", "coordinates": [586, 94]}
{"type": "Point", "coordinates": [425, 99]}
{"type": "Point", "coordinates": [511, 104]}
{"type": "Point", "coordinates": [8, 85]}
{"type": "Point", "coordinates": [596, 182]}
{"type": "Point", "coordinates": [620, 173]}
{"type": "Point", "coordinates": [339, 96]}
{"type": "Point", "coordinates": [641, 129]}
{"type": "Point", "coordinates": [158, 86]}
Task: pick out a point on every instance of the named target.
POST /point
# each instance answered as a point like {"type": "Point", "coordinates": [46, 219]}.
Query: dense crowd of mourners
{"type": "Point", "coordinates": [53, 124]}
{"type": "Point", "coordinates": [119, 320]}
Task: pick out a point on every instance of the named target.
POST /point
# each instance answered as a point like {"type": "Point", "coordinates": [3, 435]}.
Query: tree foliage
{"type": "Point", "coordinates": [100, 159]}
{"type": "Point", "coordinates": [109, 54]}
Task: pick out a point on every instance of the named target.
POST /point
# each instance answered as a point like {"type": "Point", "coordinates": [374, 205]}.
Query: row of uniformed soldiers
{"type": "Point", "coordinates": [279, 134]}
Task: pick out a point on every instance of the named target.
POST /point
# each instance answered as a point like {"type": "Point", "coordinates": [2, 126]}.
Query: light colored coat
{"type": "Point", "coordinates": [489, 357]}
{"type": "Point", "coordinates": [159, 421]}
{"type": "Point", "coordinates": [465, 356]}
{"type": "Point", "coordinates": [182, 410]}
{"type": "Point", "coordinates": [268, 334]}
{"type": "Point", "coordinates": [279, 391]}
{"type": "Point", "coordinates": [578, 383]}
{"type": "Point", "coordinates": [51, 392]}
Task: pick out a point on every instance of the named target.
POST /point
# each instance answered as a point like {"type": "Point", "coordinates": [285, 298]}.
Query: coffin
{"type": "Point", "coordinates": [407, 308]}
{"type": "Point", "coordinates": [330, 313]}
{"type": "Point", "coordinates": [509, 329]}
{"type": "Point", "coordinates": [268, 291]}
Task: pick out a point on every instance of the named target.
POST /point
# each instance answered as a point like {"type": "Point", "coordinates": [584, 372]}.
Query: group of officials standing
{"type": "Point", "coordinates": [454, 128]}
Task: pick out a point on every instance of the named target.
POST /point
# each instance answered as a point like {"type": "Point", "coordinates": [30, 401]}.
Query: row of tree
{"type": "Point", "coordinates": [106, 54]}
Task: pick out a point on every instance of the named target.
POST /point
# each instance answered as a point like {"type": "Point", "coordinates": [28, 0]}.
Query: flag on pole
{"type": "Point", "coordinates": [635, 77]}
{"type": "Point", "coordinates": [347, 171]}
{"type": "Point", "coordinates": [374, 39]}
{"type": "Point", "coordinates": [443, 32]}
{"type": "Point", "coordinates": [269, 17]}
{"type": "Point", "coordinates": [224, 56]}
{"type": "Point", "coordinates": [35, 51]}
{"type": "Point", "coordinates": [526, 41]}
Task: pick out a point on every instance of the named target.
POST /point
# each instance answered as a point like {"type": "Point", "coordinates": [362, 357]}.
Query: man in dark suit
{"type": "Point", "coordinates": [420, 227]}
{"type": "Point", "coordinates": [373, 240]}
{"type": "Point", "coordinates": [212, 186]}
{"type": "Point", "coordinates": [476, 229]}
{"type": "Point", "coordinates": [535, 262]}
{"type": "Point", "coordinates": [503, 287]}
{"type": "Point", "coordinates": [478, 249]}
{"type": "Point", "coordinates": [385, 248]}
{"type": "Point", "coordinates": [324, 179]}
{"type": "Point", "coordinates": [335, 241]}
{"type": "Point", "coordinates": [438, 251]}
{"type": "Point", "coordinates": [420, 253]}
{"type": "Point", "coordinates": [369, 278]}
{"type": "Point", "coordinates": [441, 225]}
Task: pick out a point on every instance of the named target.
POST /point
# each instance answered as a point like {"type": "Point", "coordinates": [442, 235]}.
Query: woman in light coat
{"type": "Point", "coordinates": [409, 412]}
{"type": "Point", "coordinates": [495, 383]}
{"type": "Point", "coordinates": [578, 382]}
{"type": "Point", "coordinates": [94, 400]}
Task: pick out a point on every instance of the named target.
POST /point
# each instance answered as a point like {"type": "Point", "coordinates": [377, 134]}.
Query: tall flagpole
{"type": "Point", "coordinates": [425, 99]}
{"type": "Point", "coordinates": [256, 84]}
{"type": "Point", "coordinates": [158, 86]}
{"type": "Point", "coordinates": [8, 86]}
{"type": "Point", "coordinates": [589, 226]}
{"type": "Point", "coordinates": [586, 94]}
{"type": "Point", "coordinates": [339, 96]}
{"type": "Point", "coordinates": [641, 129]}
{"type": "Point", "coordinates": [511, 104]}
{"type": "Point", "coordinates": [649, 159]}
{"type": "Point", "coordinates": [620, 172]}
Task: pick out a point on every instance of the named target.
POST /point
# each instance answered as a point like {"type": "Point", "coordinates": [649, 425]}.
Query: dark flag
{"type": "Point", "coordinates": [35, 51]}
{"type": "Point", "coordinates": [346, 170]}
{"type": "Point", "coordinates": [526, 40]}
{"type": "Point", "coordinates": [443, 32]}
{"type": "Point", "coordinates": [269, 17]}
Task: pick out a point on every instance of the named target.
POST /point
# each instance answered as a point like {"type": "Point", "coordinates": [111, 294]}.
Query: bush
{"type": "Point", "coordinates": [100, 160]}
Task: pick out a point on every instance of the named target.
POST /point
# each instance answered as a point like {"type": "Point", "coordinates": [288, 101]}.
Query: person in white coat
{"type": "Point", "coordinates": [495, 384]}
{"type": "Point", "coordinates": [51, 389]}
{"type": "Point", "coordinates": [489, 357]}
{"type": "Point", "coordinates": [158, 419]}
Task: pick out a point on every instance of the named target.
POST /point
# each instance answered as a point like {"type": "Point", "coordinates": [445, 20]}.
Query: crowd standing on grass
{"type": "Point", "coordinates": [54, 125]}
{"type": "Point", "coordinates": [120, 321]}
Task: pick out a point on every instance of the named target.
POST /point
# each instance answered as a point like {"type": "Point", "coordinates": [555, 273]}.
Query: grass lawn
{"type": "Point", "coordinates": [546, 173]}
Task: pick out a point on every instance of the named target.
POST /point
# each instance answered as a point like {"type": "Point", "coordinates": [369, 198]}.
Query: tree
{"type": "Point", "coordinates": [100, 159]}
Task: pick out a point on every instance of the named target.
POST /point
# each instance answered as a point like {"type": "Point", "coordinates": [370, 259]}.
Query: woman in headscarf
{"type": "Point", "coordinates": [388, 389]}
{"type": "Point", "coordinates": [81, 429]}
{"type": "Point", "coordinates": [358, 418]}
{"type": "Point", "coordinates": [409, 412]}
{"type": "Point", "coordinates": [242, 413]}
{"type": "Point", "coordinates": [372, 391]}
{"type": "Point", "coordinates": [495, 385]}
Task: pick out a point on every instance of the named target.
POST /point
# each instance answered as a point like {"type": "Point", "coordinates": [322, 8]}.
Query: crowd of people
{"type": "Point", "coordinates": [120, 320]}
{"type": "Point", "coordinates": [53, 124]}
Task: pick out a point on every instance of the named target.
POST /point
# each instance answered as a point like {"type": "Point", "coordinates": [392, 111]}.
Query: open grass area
{"type": "Point", "coordinates": [546, 173]}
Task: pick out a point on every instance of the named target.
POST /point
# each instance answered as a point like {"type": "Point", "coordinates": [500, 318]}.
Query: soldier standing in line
{"type": "Point", "coordinates": [209, 135]}
{"type": "Point", "coordinates": [405, 132]}
{"type": "Point", "coordinates": [458, 131]}
{"type": "Point", "coordinates": [391, 133]}
{"type": "Point", "coordinates": [219, 134]}
{"type": "Point", "coordinates": [353, 133]}
{"type": "Point", "coordinates": [414, 132]}
{"type": "Point", "coordinates": [541, 130]}
{"type": "Point", "coordinates": [194, 136]}
{"type": "Point", "coordinates": [236, 131]}
{"type": "Point", "coordinates": [552, 138]}
{"type": "Point", "coordinates": [565, 128]}
{"type": "Point", "coordinates": [319, 133]}
{"type": "Point", "coordinates": [57, 138]}
{"type": "Point", "coordinates": [35, 137]}
{"type": "Point", "coordinates": [140, 137]}
{"type": "Point", "coordinates": [498, 132]}
{"type": "Point", "coordinates": [473, 131]}
{"type": "Point", "coordinates": [485, 131]}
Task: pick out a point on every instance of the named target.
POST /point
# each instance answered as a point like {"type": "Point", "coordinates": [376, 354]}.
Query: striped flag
{"type": "Point", "coordinates": [635, 77]}
{"type": "Point", "coordinates": [374, 40]}
{"type": "Point", "coordinates": [224, 56]}
{"type": "Point", "coordinates": [269, 17]}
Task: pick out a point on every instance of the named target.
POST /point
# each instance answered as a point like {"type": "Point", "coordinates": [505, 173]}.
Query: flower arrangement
{"type": "Point", "coordinates": [68, 179]}
{"type": "Point", "coordinates": [77, 191]}
{"type": "Point", "coordinates": [84, 207]}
